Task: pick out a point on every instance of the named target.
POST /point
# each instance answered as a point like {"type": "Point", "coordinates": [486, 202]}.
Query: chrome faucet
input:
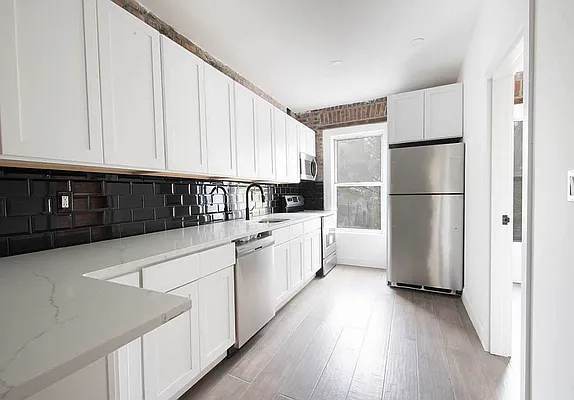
{"type": "Point", "coordinates": [247, 210]}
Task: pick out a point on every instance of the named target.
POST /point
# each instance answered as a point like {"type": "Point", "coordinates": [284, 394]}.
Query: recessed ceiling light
{"type": "Point", "coordinates": [417, 41]}
{"type": "Point", "coordinates": [336, 63]}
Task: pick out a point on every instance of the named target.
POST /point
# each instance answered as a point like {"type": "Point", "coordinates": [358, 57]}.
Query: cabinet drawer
{"type": "Point", "coordinates": [313, 225]}
{"type": "Point", "coordinates": [296, 231]}
{"type": "Point", "coordinates": [171, 274]}
{"type": "Point", "coordinates": [281, 235]}
{"type": "Point", "coordinates": [214, 260]}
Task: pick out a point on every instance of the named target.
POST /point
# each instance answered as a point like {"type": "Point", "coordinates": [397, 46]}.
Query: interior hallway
{"type": "Point", "coordinates": [349, 336]}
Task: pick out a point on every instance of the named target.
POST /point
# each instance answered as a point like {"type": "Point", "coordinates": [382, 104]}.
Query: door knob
{"type": "Point", "coordinates": [505, 219]}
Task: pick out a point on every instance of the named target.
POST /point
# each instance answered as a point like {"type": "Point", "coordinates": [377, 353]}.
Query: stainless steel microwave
{"type": "Point", "coordinates": [308, 167]}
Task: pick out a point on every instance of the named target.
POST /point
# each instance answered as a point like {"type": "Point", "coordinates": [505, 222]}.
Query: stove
{"type": "Point", "coordinates": [291, 203]}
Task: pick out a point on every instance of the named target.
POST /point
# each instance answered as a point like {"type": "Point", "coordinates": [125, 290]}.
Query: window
{"type": "Point", "coordinates": [358, 182]}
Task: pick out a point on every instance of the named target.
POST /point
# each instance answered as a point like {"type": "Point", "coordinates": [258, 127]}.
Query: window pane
{"type": "Point", "coordinates": [359, 160]}
{"type": "Point", "coordinates": [359, 207]}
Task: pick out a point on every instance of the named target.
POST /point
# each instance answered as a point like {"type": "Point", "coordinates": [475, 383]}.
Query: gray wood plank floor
{"type": "Point", "coordinates": [349, 336]}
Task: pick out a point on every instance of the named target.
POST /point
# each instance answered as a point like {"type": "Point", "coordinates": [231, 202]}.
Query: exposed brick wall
{"type": "Point", "coordinates": [165, 29]}
{"type": "Point", "coordinates": [366, 112]}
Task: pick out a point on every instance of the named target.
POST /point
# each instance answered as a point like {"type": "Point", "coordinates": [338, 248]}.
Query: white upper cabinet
{"type": "Point", "coordinates": [49, 80]}
{"type": "Point", "coordinates": [406, 117]}
{"type": "Point", "coordinates": [302, 134]}
{"type": "Point", "coordinates": [219, 116]}
{"type": "Point", "coordinates": [246, 134]}
{"type": "Point", "coordinates": [186, 142]}
{"type": "Point", "coordinates": [292, 138]}
{"type": "Point", "coordinates": [265, 140]}
{"type": "Point", "coordinates": [443, 112]}
{"type": "Point", "coordinates": [310, 137]}
{"type": "Point", "coordinates": [132, 106]}
{"type": "Point", "coordinates": [281, 156]}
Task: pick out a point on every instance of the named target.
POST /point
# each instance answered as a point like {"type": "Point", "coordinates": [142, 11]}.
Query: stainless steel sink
{"type": "Point", "coordinates": [271, 221]}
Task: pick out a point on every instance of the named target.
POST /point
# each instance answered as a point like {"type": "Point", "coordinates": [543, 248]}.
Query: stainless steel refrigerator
{"type": "Point", "coordinates": [426, 216]}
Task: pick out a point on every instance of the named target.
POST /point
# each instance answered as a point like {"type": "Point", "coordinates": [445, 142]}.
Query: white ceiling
{"type": "Point", "coordinates": [286, 47]}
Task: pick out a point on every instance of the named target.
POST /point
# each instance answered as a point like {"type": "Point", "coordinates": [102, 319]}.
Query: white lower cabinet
{"type": "Point", "coordinates": [296, 262]}
{"type": "Point", "coordinates": [307, 256]}
{"type": "Point", "coordinates": [171, 352]}
{"type": "Point", "coordinates": [216, 315]}
{"type": "Point", "coordinates": [282, 272]}
{"type": "Point", "coordinates": [316, 251]}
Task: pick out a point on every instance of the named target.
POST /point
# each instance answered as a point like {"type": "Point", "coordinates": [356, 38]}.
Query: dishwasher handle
{"type": "Point", "coordinates": [253, 246]}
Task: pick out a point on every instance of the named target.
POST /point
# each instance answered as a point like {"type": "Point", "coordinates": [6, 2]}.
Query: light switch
{"type": "Point", "coordinates": [571, 186]}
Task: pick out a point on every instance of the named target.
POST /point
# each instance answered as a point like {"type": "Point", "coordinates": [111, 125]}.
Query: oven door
{"type": "Point", "coordinates": [308, 167]}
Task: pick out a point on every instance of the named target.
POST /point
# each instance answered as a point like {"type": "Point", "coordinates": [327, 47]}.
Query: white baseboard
{"type": "Point", "coordinates": [481, 331]}
{"type": "Point", "coordinates": [362, 263]}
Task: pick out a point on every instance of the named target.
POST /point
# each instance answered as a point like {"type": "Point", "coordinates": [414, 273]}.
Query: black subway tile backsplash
{"type": "Point", "coordinates": [14, 226]}
{"type": "Point", "coordinates": [71, 238]}
{"type": "Point", "coordinates": [26, 206]}
{"type": "Point", "coordinates": [143, 214]}
{"type": "Point", "coordinates": [132, 229]}
{"type": "Point", "coordinates": [117, 188]}
{"type": "Point", "coordinates": [29, 244]}
{"type": "Point", "coordinates": [13, 188]}
{"type": "Point", "coordinates": [155, 226]}
{"type": "Point", "coordinates": [142, 188]}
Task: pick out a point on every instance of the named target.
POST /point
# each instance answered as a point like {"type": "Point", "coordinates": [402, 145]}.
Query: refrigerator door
{"type": "Point", "coordinates": [426, 240]}
{"type": "Point", "coordinates": [427, 169]}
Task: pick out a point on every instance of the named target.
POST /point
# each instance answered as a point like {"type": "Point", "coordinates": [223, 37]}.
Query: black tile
{"type": "Point", "coordinates": [196, 189]}
{"type": "Point", "coordinates": [117, 216]}
{"type": "Point", "coordinates": [80, 203]}
{"type": "Point", "coordinates": [14, 226]}
{"type": "Point", "coordinates": [11, 188]}
{"type": "Point", "coordinates": [2, 207]}
{"type": "Point", "coordinates": [29, 244]}
{"type": "Point", "coordinates": [49, 188]}
{"type": "Point", "coordinates": [100, 202]}
{"type": "Point", "coordinates": [3, 247]}
{"type": "Point", "coordinates": [70, 175]}
{"type": "Point", "coordinates": [87, 187]}
{"type": "Point", "coordinates": [142, 188]}
{"type": "Point", "coordinates": [163, 188]}
{"type": "Point", "coordinates": [135, 228]}
{"type": "Point", "coordinates": [100, 233]}
{"type": "Point", "coordinates": [163, 212]}
{"type": "Point", "coordinates": [174, 223]}
{"type": "Point", "coordinates": [197, 210]}
{"type": "Point", "coordinates": [180, 188]}
{"type": "Point", "coordinates": [88, 219]}
{"type": "Point", "coordinates": [173, 200]}
{"type": "Point", "coordinates": [205, 219]}
{"type": "Point", "coordinates": [117, 188]}
{"type": "Point", "coordinates": [193, 200]}
{"type": "Point", "coordinates": [21, 173]}
{"type": "Point", "coordinates": [128, 202]}
{"type": "Point", "coordinates": [154, 201]}
{"type": "Point", "coordinates": [71, 238]}
{"type": "Point", "coordinates": [182, 211]}
{"type": "Point", "coordinates": [143, 214]}
{"type": "Point", "coordinates": [191, 221]}
{"type": "Point", "coordinates": [155, 226]}
{"type": "Point", "coordinates": [44, 223]}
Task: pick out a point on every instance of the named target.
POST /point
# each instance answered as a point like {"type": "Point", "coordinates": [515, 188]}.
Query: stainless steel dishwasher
{"type": "Point", "coordinates": [254, 286]}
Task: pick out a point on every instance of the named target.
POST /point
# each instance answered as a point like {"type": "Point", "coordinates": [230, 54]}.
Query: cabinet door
{"type": "Point", "coordinates": [311, 142]}
{"type": "Point", "coordinates": [219, 117]}
{"type": "Point", "coordinates": [281, 273]}
{"type": "Point", "coordinates": [265, 140]}
{"type": "Point", "coordinates": [296, 262]}
{"type": "Point", "coordinates": [216, 315]}
{"type": "Point", "coordinates": [126, 362]}
{"type": "Point", "coordinates": [246, 136]}
{"type": "Point", "coordinates": [302, 133]}
{"type": "Point", "coordinates": [186, 143]}
{"type": "Point", "coordinates": [132, 106]}
{"type": "Point", "coordinates": [317, 251]}
{"type": "Point", "coordinates": [280, 130]}
{"type": "Point", "coordinates": [443, 112]}
{"type": "Point", "coordinates": [292, 137]}
{"type": "Point", "coordinates": [171, 352]}
{"type": "Point", "coordinates": [49, 80]}
{"type": "Point", "coordinates": [307, 256]}
{"type": "Point", "coordinates": [406, 117]}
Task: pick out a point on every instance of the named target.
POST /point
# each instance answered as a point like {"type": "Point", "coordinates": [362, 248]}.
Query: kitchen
{"type": "Point", "coordinates": [170, 229]}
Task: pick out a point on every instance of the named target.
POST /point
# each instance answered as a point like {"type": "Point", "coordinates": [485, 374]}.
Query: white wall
{"type": "Point", "coordinates": [367, 249]}
{"type": "Point", "coordinates": [553, 217]}
{"type": "Point", "coordinates": [496, 32]}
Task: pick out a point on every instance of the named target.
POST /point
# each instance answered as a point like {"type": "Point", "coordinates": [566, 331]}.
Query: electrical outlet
{"type": "Point", "coordinates": [64, 201]}
{"type": "Point", "coordinates": [570, 197]}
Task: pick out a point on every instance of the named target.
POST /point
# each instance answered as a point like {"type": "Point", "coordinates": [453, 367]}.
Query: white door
{"type": "Point", "coordinates": [281, 272]}
{"type": "Point", "coordinates": [280, 130]}
{"type": "Point", "coordinates": [443, 112]}
{"type": "Point", "coordinates": [265, 140]}
{"type": "Point", "coordinates": [132, 106]}
{"type": "Point", "coordinates": [307, 256]}
{"type": "Point", "coordinates": [216, 315]}
{"type": "Point", "coordinates": [186, 142]}
{"type": "Point", "coordinates": [49, 80]}
{"type": "Point", "coordinates": [292, 139]}
{"type": "Point", "coordinates": [171, 352]}
{"type": "Point", "coordinates": [246, 135]}
{"type": "Point", "coordinates": [502, 178]}
{"type": "Point", "coordinates": [302, 133]}
{"type": "Point", "coordinates": [406, 117]}
{"type": "Point", "coordinates": [311, 142]}
{"type": "Point", "coordinates": [219, 116]}
{"type": "Point", "coordinates": [296, 262]}
{"type": "Point", "coordinates": [126, 362]}
{"type": "Point", "coordinates": [316, 251]}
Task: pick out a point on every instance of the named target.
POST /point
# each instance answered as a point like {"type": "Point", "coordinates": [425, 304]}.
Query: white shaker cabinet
{"type": "Point", "coordinates": [132, 106]}
{"type": "Point", "coordinates": [296, 262]}
{"type": "Point", "coordinates": [216, 315]}
{"type": "Point", "coordinates": [292, 139]}
{"type": "Point", "coordinates": [265, 140]}
{"type": "Point", "coordinates": [310, 137]}
{"type": "Point", "coordinates": [246, 135]}
{"type": "Point", "coordinates": [406, 117]}
{"type": "Point", "coordinates": [281, 154]}
{"type": "Point", "coordinates": [185, 132]}
{"type": "Point", "coordinates": [219, 118]}
{"type": "Point", "coordinates": [171, 351]}
{"type": "Point", "coordinates": [317, 251]}
{"type": "Point", "coordinates": [306, 139]}
{"type": "Point", "coordinates": [307, 256]}
{"type": "Point", "coordinates": [49, 81]}
{"type": "Point", "coordinates": [282, 272]}
{"type": "Point", "coordinates": [443, 112]}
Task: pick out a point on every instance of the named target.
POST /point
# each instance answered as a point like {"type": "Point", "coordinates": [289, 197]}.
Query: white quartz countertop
{"type": "Point", "coordinates": [58, 314]}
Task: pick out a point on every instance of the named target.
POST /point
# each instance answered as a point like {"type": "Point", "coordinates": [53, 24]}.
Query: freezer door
{"type": "Point", "coordinates": [426, 240]}
{"type": "Point", "coordinates": [427, 169]}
